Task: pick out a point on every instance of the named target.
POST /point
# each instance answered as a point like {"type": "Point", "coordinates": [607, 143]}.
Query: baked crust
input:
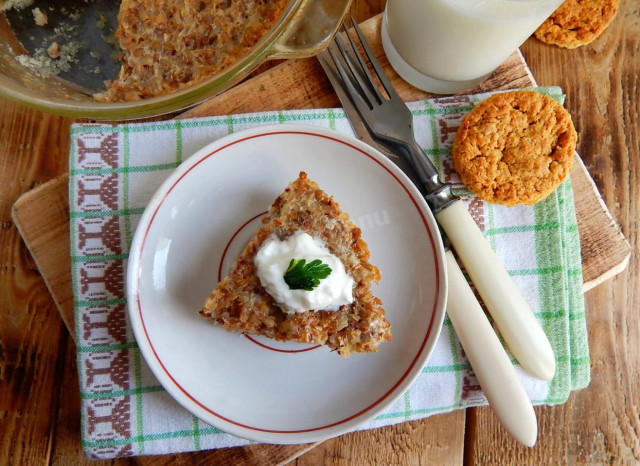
{"type": "Point", "coordinates": [577, 22]}
{"type": "Point", "coordinates": [170, 44]}
{"type": "Point", "coordinates": [240, 303]}
{"type": "Point", "coordinates": [515, 148]}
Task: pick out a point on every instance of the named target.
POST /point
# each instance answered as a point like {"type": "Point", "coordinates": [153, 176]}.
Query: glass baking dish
{"type": "Point", "coordinates": [304, 29]}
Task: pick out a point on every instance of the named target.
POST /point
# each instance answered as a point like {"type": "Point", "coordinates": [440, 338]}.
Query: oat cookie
{"type": "Point", "coordinates": [577, 22]}
{"type": "Point", "coordinates": [515, 148]}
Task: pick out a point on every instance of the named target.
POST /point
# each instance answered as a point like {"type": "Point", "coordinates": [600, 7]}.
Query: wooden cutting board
{"type": "Point", "coordinates": [42, 215]}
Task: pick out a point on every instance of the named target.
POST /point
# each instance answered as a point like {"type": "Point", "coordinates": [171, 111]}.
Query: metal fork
{"type": "Point", "coordinates": [369, 96]}
{"type": "Point", "coordinates": [386, 117]}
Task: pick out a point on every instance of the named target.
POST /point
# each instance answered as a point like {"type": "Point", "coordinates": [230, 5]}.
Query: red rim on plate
{"type": "Point", "coordinates": [415, 359]}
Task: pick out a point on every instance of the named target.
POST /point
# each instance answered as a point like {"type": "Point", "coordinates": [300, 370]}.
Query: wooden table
{"type": "Point", "coordinates": [39, 398]}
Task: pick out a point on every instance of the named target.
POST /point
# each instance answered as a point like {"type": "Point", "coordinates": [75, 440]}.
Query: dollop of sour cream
{"type": "Point", "coordinates": [272, 261]}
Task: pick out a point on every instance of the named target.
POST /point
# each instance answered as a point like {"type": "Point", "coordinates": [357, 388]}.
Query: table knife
{"type": "Point", "coordinates": [487, 357]}
{"type": "Point", "coordinates": [390, 123]}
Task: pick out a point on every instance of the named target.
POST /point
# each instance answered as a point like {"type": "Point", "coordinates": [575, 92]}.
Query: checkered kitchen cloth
{"type": "Point", "coordinates": [114, 170]}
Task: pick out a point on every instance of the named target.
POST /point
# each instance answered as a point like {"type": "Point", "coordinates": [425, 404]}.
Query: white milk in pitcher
{"type": "Point", "coordinates": [447, 46]}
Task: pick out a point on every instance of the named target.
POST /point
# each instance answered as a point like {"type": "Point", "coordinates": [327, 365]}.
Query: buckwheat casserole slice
{"type": "Point", "coordinates": [241, 304]}
{"type": "Point", "coordinates": [170, 44]}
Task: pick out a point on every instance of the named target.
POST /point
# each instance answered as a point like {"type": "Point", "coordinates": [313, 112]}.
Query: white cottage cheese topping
{"type": "Point", "coordinates": [273, 259]}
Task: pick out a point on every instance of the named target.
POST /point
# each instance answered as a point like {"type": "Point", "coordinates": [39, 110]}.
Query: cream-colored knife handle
{"type": "Point", "coordinates": [515, 320]}
{"type": "Point", "coordinates": [488, 359]}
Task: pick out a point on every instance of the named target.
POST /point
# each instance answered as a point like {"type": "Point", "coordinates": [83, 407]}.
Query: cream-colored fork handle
{"type": "Point", "coordinates": [488, 358]}
{"type": "Point", "coordinates": [515, 320]}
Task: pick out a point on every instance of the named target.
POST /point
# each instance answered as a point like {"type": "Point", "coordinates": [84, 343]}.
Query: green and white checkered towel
{"type": "Point", "coordinates": [115, 169]}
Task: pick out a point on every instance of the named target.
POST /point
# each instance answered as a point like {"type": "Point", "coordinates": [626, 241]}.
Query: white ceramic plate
{"type": "Point", "coordinates": [197, 224]}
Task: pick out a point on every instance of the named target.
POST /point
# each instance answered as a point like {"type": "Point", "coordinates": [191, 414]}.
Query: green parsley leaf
{"type": "Point", "coordinates": [303, 276]}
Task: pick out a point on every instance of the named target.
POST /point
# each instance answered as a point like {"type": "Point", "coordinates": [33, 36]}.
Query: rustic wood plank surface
{"type": "Point", "coordinates": [41, 215]}
{"type": "Point", "coordinates": [302, 84]}
{"type": "Point", "coordinates": [39, 398]}
{"type": "Point", "coordinates": [600, 424]}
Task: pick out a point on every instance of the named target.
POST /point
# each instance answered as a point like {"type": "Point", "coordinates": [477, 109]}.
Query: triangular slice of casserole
{"type": "Point", "coordinates": [240, 303]}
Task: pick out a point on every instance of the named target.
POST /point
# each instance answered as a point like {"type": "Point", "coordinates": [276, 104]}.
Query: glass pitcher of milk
{"type": "Point", "coordinates": [448, 46]}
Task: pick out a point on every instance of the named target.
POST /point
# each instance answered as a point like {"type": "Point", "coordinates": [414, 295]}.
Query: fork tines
{"type": "Point", "coordinates": [354, 69]}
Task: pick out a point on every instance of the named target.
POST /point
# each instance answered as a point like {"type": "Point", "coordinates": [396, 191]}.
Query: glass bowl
{"type": "Point", "coordinates": [304, 29]}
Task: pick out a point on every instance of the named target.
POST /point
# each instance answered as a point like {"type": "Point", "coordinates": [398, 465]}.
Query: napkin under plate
{"type": "Point", "coordinates": [114, 171]}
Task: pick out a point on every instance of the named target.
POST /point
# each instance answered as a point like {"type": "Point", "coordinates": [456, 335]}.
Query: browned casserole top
{"type": "Point", "coordinates": [171, 44]}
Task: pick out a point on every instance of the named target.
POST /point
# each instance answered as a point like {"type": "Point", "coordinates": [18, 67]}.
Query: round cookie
{"type": "Point", "coordinates": [515, 148]}
{"type": "Point", "coordinates": [577, 22]}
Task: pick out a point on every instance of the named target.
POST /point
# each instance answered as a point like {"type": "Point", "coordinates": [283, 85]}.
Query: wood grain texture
{"type": "Point", "coordinates": [601, 424]}
{"type": "Point", "coordinates": [296, 84]}
{"type": "Point", "coordinates": [302, 84]}
{"type": "Point", "coordinates": [43, 221]}
{"type": "Point", "coordinates": [606, 248]}
{"type": "Point", "coordinates": [428, 441]}
{"type": "Point", "coordinates": [39, 399]}
{"type": "Point", "coordinates": [42, 218]}
{"type": "Point", "coordinates": [32, 335]}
